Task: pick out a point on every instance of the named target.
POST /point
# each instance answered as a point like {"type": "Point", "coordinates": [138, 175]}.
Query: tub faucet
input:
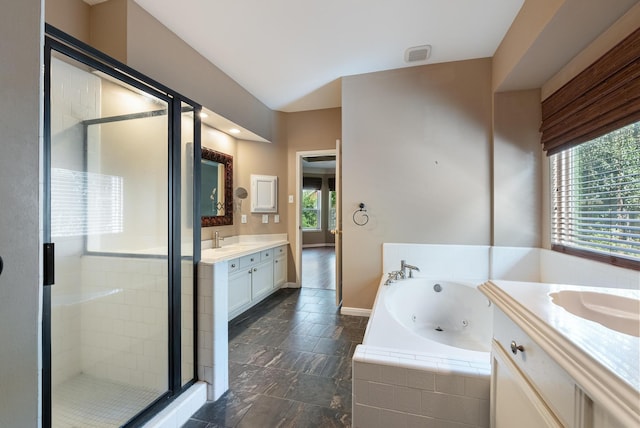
{"type": "Point", "coordinates": [394, 276]}
{"type": "Point", "coordinates": [216, 239]}
{"type": "Point", "coordinates": [404, 266]}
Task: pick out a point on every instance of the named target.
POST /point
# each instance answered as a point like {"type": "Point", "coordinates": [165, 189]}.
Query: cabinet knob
{"type": "Point", "coordinates": [251, 258]}
{"type": "Point", "coordinates": [233, 265]}
{"type": "Point", "coordinates": [266, 254]}
{"type": "Point", "coordinates": [515, 347]}
{"type": "Point", "coordinates": [276, 261]}
{"type": "Point", "coordinates": [255, 269]}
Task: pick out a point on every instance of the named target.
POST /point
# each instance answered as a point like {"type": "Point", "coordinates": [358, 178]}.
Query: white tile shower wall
{"type": "Point", "coordinates": [188, 352]}
{"type": "Point", "coordinates": [561, 268]}
{"type": "Point", "coordinates": [464, 262]}
{"type": "Point", "coordinates": [213, 337]}
{"type": "Point", "coordinates": [396, 389]}
{"type": "Point", "coordinates": [124, 320]}
{"type": "Point", "coordinates": [75, 96]}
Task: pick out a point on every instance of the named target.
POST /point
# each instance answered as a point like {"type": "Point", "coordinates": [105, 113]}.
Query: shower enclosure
{"type": "Point", "coordinates": [118, 320]}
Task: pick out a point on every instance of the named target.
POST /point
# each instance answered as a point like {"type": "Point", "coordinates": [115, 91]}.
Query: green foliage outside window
{"type": "Point", "coordinates": [311, 209]}
{"type": "Point", "coordinates": [597, 202]}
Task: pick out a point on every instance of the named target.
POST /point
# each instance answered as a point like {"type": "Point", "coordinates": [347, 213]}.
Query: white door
{"type": "Point", "coordinates": [338, 229]}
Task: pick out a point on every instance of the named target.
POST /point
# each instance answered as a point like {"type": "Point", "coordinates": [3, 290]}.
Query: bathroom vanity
{"type": "Point", "coordinates": [255, 276]}
{"type": "Point", "coordinates": [563, 356]}
{"type": "Point", "coordinates": [231, 279]}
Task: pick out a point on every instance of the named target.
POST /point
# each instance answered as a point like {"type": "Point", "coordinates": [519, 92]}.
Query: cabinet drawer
{"type": "Point", "coordinates": [551, 381]}
{"type": "Point", "coordinates": [266, 254]}
{"type": "Point", "coordinates": [234, 265]}
{"type": "Point", "coordinates": [249, 260]}
{"type": "Point", "coordinates": [280, 251]}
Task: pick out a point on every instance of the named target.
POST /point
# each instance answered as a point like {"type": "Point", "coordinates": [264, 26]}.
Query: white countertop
{"type": "Point", "coordinates": [238, 246]}
{"type": "Point", "coordinates": [604, 362]}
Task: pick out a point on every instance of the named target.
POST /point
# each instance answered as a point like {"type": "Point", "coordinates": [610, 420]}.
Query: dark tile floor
{"type": "Point", "coordinates": [289, 365]}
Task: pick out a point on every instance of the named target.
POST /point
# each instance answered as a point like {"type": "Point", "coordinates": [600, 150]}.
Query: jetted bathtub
{"type": "Point", "coordinates": [425, 357]}
{"type": "Point", "coordinates": [440, 318]}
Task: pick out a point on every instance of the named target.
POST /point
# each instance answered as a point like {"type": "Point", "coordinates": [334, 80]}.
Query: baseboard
{"type": "Point", "coordinates": [357, 312]}
{"type": "Point", "coordinates": [290, 285]}
{"type": "Point", "coordinates": [181, 409]}
{"type": "Point", "coordinates": [326, 244]}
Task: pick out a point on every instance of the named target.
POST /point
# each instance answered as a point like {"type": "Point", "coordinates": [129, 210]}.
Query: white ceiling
{"type": "Point", "coordinates": [290, 54]}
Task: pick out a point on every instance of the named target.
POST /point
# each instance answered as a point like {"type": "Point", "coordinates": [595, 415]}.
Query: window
{"type": "Point", "coordinates": [311, 206]}
{"type": "Point", "coordinates": [332, 210]}
{"type": "Point", "coordinates": [596, 198]}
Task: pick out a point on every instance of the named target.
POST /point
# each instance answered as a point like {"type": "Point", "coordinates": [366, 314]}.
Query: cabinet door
{"type": "Point", "coordinates": [279, 271]}
{"type": "Point", "coordinates": [239, 289]}
{"type": "Point", "coordinates": [262, 279]}
{"type": "Point", "coordinates": [514, 402]}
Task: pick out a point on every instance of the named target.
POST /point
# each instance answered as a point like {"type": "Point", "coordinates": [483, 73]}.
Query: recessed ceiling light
{"type": "Point", "coordinates": [234, 130]}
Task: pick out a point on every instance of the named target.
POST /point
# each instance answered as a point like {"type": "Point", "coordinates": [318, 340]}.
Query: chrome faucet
{"type": "Point", "coordinates": [404, 266]}
{"type": "Point", "coordinates": [394, 276]}
{"type": "Point", "coordinates": [216, 239]}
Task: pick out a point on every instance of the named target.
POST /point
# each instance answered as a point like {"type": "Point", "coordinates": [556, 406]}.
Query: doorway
{"type": "Point", "coordinates": [318, 220]}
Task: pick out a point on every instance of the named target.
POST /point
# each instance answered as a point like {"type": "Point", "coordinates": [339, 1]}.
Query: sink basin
{"type": "Point", "coordinates": [229, 249]}
{"type": "Point", "coordinates": [618, 313]}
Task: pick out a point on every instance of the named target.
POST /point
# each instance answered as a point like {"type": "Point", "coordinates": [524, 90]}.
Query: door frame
{"type": "Point", "coordinates": [298, 199]}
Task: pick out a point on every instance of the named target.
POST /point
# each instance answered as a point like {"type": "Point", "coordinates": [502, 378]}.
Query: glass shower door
{"type": "Point", "coordinates": [110, 224]}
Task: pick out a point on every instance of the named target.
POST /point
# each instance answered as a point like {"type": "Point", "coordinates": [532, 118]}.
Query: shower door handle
{"type": "Point", "coordinates": [1, 265]}
{"type": "Point", "coordinates": [48, 263]}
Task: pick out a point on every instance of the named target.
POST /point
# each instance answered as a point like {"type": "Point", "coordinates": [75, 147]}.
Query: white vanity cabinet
{"type": "Point", "coordinates": [528, 389]}
{"type": "Point", "coordinates": [262, 275]}
{"type": "Point", "coordinates": [239, 286]}
{"type": "Point", "coordinates": [280, 266]}
{"type": "Point", "coordinates": [253, 277]}
{"type": "Point", "coordinates": [552, 368]}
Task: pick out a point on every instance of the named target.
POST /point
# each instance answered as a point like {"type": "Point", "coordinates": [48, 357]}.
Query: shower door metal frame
{"type": "Point", "coordinates": [58, 41]}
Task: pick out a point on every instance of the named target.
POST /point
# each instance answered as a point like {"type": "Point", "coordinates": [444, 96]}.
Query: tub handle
{"type": "Point", "coordinates": [515, 347]}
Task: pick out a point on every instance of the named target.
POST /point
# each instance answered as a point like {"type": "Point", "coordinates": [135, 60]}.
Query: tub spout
{"type": "Point", "coordinates": [404, 266]}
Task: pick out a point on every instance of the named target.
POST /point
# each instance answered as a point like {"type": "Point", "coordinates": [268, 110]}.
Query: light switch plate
{"type": "Point", "coordinates": [276, 218]}
{"type": "Point", "coordinates": [290, 199]}
{"type": "Point", "coordinates": [243, 218]}
{"type": "Point", "coordinates": [265, 218]}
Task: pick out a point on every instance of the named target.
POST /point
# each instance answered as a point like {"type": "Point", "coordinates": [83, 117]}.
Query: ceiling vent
{"type": "Point", "coordinates": [417, 53]}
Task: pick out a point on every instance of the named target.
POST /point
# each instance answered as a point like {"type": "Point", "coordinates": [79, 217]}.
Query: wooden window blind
{"type": "Point", "coordinates": [604, 97]}
{"type": "Point", "coordinates": [312, 183]}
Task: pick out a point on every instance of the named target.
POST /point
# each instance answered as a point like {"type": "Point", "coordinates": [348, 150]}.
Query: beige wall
{"type": "Point", "coordinates": [108, 28]}
{"type": "Point", "coordinates": [20, 190]}
{"type": "Point", "coordinates": [416, 151]}
{"type": "Point", "coordinates": [306, 131]}
{"type": "Point", "coordinates": [525, 29]}
{"type": "Point", "coordinates": [517, 169]}
{"type": "Point", "coordinates": [70, 16]}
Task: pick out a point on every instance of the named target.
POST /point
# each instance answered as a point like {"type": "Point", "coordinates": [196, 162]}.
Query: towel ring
{"type": "Point", "coordinates": [360, 216]}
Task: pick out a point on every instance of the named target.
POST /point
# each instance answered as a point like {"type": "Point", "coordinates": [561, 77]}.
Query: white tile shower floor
{"type": "Point", "coordinates": [85, 401]}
